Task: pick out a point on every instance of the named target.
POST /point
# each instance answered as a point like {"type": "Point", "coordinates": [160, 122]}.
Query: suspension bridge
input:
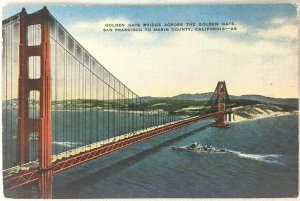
{"type": "Point", "coordinates": [61, 107]}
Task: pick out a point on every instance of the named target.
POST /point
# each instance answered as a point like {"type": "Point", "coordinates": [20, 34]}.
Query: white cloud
{"type": "Point", "coordinates": [280, 29]}
{"type": "Point", "coordinates": [242, 28]}
{"type": "Point", "coordinates": [278, 21]}
{"type": "Point", "coordinates": [193, 62]}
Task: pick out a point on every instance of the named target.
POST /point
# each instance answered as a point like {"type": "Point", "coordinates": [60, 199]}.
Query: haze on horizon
{"type": "Point", "coordinates": [261, 57]}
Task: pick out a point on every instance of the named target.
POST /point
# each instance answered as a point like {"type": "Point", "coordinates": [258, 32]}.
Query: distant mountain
{"type": "Point", "coordinates": [293, 102]}
{"type": "Point", "coordinates": [268, 100]}
{"type": "Point", "coordinates": [200, 97]}
{"type": "Point", "coordinates": [150, 98]}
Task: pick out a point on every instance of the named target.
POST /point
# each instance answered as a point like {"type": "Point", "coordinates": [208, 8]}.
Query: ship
{"type": "Point", "coordinates": [196, 147]}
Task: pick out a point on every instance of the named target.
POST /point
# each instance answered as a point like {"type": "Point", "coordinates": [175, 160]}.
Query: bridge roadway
{"type": "Point", "coordinates": [29, 172]}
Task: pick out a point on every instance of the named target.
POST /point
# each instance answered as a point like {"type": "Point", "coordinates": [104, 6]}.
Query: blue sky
{"type": "Point", "coordinates": [252, 15]}
{"type": "Point", "coordinates": [260, 58]}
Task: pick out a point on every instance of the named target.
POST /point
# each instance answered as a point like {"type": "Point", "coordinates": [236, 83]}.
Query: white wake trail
{"type": "Point", "coordinates": [268, 158]}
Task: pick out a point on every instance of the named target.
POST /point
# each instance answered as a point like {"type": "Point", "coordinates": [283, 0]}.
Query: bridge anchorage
{"type": "Point", "coordinates": [69, 109]}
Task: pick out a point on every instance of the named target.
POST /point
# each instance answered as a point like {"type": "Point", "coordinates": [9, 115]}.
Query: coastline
{"type": "Point", "coordinates": [263, 116]}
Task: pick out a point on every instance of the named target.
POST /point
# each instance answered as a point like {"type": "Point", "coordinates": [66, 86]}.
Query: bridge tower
{"type": "Point", "coordinates": [221, 104]}
{"type": "Point", "coordinates": [42, 124]}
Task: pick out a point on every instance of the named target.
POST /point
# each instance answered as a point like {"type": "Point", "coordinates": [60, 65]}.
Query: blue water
{"type": "Point", "coordinates": [262, 162]}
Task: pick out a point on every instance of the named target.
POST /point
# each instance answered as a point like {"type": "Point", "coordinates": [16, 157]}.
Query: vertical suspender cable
{"type": "Point", "coordinates": [6, 98]}
{"type": "Point", "coordinates": [71, 98]}
{"type": "Point", "coordinates": [103, 106]}
{"type": "Point", "coordinates": [56, 98]}
{"type": "Point", "coordinates": [108, 111]}
{"type": "Point", "coordinates": [67, 99]}
{"type": "Point", "coordinates": [64, 102]}
{"type": "Point", "coordinates": [85, 102]}
{"type": "Point", "coordinates": [112, 111]}
{"type": "Point", "coordinates": [90, 107]}
{"type": "Point", "coordinates": [78, 108]}
{"type": "Point", "coordinates": [97, 105]}
{"type": "Point", "coordinates": [11, 88]}
{"type": "Point", "coordinates": [119, 108]}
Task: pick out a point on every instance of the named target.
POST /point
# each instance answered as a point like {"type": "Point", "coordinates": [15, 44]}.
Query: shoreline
{"type": "Point", "coordinates": [264, 116]}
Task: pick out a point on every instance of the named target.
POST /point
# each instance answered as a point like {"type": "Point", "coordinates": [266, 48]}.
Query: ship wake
{"type": "Point", "coordinates": [268, 158]}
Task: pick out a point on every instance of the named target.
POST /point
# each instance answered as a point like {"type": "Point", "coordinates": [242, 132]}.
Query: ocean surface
{"type": "Point", "coordinates": [262, 162]}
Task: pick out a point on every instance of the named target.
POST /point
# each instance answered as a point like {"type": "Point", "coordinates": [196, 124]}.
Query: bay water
{"type": "Point", "coordinates": [261, 161]}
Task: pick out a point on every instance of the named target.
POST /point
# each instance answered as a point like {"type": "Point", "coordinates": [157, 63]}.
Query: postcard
{"type": "Point", "coordinates": [150, 101]}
